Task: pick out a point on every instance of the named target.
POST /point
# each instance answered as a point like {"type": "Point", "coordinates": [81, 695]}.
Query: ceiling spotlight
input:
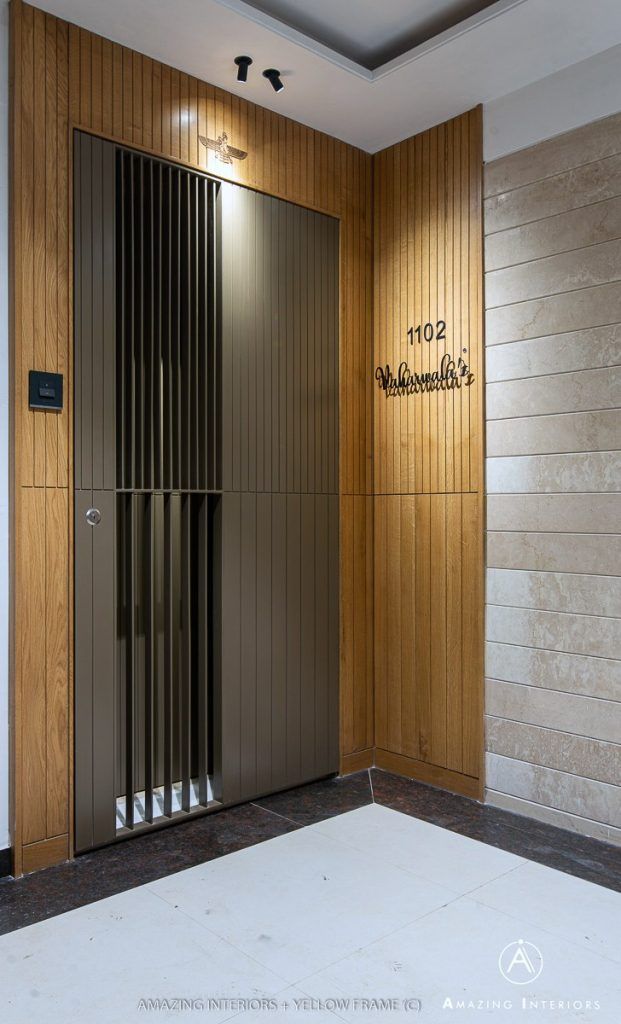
{"type": "Point", "coordinates": [273, 77]}
{"type": "Point", "coordinates": [243, 63]}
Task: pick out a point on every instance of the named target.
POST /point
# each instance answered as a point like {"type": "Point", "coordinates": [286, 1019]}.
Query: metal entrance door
{"type": "Point", "coordinates": [206, 493]}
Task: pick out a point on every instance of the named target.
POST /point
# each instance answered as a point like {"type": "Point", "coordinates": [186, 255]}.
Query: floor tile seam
{"type": "Point", "coordinates": [372, 858]}
{"type": "Point", "coordinates": [222, 938]}
{"type": "Point", "coordinates": [533, 924]}
{"type": "Point", "coordinates": [425, 878]}
{"type": "Point", "coordinates": [503, 874]}
{"type": "Point", "coordinates": [332, 1013]}
{"type": "Point", "coordinates": [390, 863]}
{"type": "Point", "coordinates": [276, 814]}
{"type": "Point", "coordinates": [380, 938]}
{"type": "Point", "coordinates": [81, 906]}
{"type": "Point", "coordinates": [331, 840]}
{"type": "Point", "coordinates": [520, 830]}
{"type": "Point", "coordinates": [277, 995]}
{"type": "Point", "coordinates": [444, 828]}
{"type": "Point", "coordinates": [290, 983]}
{"type": "Point", "coordinates": [370, 775]}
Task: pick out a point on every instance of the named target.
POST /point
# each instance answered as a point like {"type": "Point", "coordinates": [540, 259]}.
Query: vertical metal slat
{"type": "Point", "coordinates": [130, 609]}
{"type": "Point", "coordinates": [166, 319]}
{"type": "Point", "coordinates": [77, 315]}
{"type": "Point", "coordinates": [169, 621]}
{"type": "Point", "coordinates": [131, 346]}
{"type": "Point", "coordinates": [185, 336]}
{"type": "Point", "coordinates": [156, 213]}
{"type": "Point", "coordinates": [186, 652]}
{"type": "Point", "coordinates": [95, 256]}
{"type": "Point", "coordinates": [195, 300]}
{"type": "Point", "coordinates": [215, 282]}
{"type": "Point", "coordinates": [177, 407]}
{"type": "Point", "coordinates": [203, 648]}
{"type": "Point", "coordinates": [202, 379]}
{"type": "Point", "coordinates": [147, 319]}
{"type": "Point", "coordinates": [86, 308]}
{"type": "Point", "coordinates": [150, 663]}
{"type": "Point", "coordinates": [139, 351]}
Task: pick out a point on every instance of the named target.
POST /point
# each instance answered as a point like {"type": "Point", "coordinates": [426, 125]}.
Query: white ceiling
{"type": "Point", "coordinates": [505, 47]}
{"type": "Point", "coordinates": [368, 32]}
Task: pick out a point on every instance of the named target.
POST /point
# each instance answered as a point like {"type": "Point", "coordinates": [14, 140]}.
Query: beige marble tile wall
{"type": "Point", "coordinates": [553, 362]}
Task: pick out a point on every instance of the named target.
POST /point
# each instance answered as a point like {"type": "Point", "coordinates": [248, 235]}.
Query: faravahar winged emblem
{"type": "Point", "coordinates": [221, 148]}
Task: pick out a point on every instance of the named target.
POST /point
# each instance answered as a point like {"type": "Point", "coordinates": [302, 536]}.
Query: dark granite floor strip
{"type": "Point", "coordinates": [587, 858]}
{"type": "Point", "coordinates": [114, 869]}
{"type": "Point", "coordinates": [320, 800]}
{"type": "Point", "coordinates": [93, 876]}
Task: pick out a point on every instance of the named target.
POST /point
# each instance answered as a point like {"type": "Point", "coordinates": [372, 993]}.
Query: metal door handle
{"type": "Point", "coordinates": [93, 516]}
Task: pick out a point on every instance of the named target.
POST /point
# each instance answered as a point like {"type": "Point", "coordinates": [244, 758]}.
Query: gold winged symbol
{"type": "Point", "coordinates": [221, 148]}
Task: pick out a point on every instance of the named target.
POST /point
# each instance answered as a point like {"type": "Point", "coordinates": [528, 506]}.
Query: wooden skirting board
{"type": "Point", "coordinates": [357, 761]}
{"type": "Point", "coordinates": [431, 774]}
{"type": "Point", "coordinates": [46, 853]}
{"type": "Point", "coordinates": [420, 771]}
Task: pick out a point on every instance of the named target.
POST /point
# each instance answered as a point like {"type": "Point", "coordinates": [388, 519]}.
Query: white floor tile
{"type": "Point", "coordinates": [96, 963]}
{"type": "Point", "coordinates": [434, 853]}
{"type": "Point", "coordinates": [453, 955]}
{"type": "Point", "coordinates": [569, 907]}
{"type": "Point", "coordinates": [301, 901]}
{"type": "Point", "coordinates": [289, 1007]}
{"type": "Point", "coordinates": [347, 910]}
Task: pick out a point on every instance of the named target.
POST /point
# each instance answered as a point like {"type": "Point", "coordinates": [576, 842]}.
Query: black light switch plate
{"type": "Point", "coordinates": [45, 390]}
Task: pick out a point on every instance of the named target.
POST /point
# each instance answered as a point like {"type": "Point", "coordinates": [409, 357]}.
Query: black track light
{"type": "Point", "coordinates": [243, 63]}
{"type": "Point", "coordinates": [273, 77]}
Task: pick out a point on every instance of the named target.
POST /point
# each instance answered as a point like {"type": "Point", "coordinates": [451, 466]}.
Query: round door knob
{"type": "Point", "coordinates": [93, 517]}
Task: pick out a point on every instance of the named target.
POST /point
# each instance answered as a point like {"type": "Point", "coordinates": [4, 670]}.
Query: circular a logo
{"type": "Point", "coordinates": [520, 962]}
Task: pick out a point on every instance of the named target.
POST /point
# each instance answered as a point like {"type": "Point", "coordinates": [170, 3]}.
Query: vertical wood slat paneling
{"type": "Point", "coordinates": [51, 219]}
{"type": "Point", "coordinates": [40, 281]}
{"type": "Point", "coordinates": [39, 223]}
{"type": "Point", "coordinates": [428, 520]}
{"type": "Point", "coordinates": [427, 231]}
{"type": "Point", "coordinates": [24, 318]}
{"type": "Point", "coordinates": [32, 512]}
{"type": "Point", "coordinates": [96, 87]}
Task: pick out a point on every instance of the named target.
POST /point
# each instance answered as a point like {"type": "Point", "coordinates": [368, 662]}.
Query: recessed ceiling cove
{"type": "Point", "coordinates": [369, 32]}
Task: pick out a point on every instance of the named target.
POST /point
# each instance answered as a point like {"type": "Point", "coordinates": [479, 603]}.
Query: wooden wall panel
{"type": "Point", "coordinates": [428, 458]}
{"type": "Point", "coordinates": [410, 476]}
{"type": "Point", "coordinates": [63, 77]}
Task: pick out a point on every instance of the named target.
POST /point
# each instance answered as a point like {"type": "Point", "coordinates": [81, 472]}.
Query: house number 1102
{"type": "Point", "coordinates": [427, 332]}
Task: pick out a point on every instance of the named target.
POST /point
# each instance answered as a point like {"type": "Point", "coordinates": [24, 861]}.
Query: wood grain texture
{"type": "Point", "coordinates": [428, 460]}
{"type": "Point", "coordinates": [63, 77]}
{"type": "Point", "coordinates": [422, 771]}
{"type": "Point", "coordinates": [42, 855]}
{"type": "Point", "coordinates": [425, 492]}
{"type": "Point", "coordinates": [357, 762]}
